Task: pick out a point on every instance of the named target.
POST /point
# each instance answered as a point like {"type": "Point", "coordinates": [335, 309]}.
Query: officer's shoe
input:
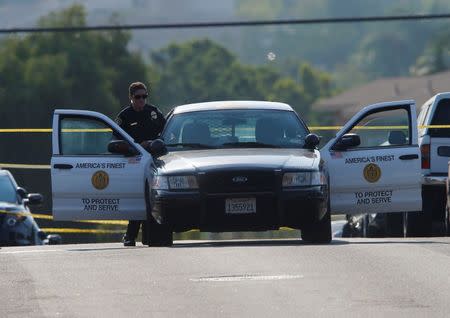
{"type": "Point", "coordinates": [128, 242]}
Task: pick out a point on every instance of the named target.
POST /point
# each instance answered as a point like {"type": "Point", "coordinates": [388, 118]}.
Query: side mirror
{"type": "Point", "coordinates": [21, 192]}
{"type": "Point", "coordinates": [157, 148]}
{"type": "Point", "coordinates": [121, 147]}
{"type": "Point", "coordinates": [347, 141]}
{"type": "Point", "coordinates": [35, 199]}
{"type": "Point", "coordinates": [312, 141]}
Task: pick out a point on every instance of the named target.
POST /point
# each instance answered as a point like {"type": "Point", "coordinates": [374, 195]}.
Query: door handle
{"type": "Point", "coordinates": [409, 157]}
{"type": "Point", "coordinates": [62, 166]}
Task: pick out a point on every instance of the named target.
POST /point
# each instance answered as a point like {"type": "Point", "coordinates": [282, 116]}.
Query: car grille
{"type": "Point", "coordinates": [239, 181]}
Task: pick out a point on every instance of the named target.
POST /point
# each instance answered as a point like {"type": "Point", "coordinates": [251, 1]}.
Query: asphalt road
{"type": "Point", "coordinates": [276, 278]}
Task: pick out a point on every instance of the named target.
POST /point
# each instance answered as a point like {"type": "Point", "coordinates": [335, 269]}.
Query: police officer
{"type": "Point", "coordinates": [143, 122]}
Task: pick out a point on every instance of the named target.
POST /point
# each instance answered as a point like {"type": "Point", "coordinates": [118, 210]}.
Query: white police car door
{"type": "Point", "coordinates": [382, 173]}
{"type": "Point", "coordinates": [89, 182]}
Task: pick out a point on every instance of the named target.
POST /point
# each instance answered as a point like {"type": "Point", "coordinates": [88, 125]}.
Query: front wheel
{"type": "Point", "coordinates": [157, 234]}
{"type": "Point", "coordinates": [447, 221]}
{"type": "Point", "coordinates": [420, 224]}
{"type": "Point", "coordinates": [318, 232]}
{"type": "Point", "coordinates": [394, 224]}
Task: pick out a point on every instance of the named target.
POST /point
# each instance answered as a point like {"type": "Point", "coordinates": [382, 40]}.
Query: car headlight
{"type": "Point", "coordinates": [300, 179]}
{"type": "Point", "coordinates": [160, 183]}
{"type": "Point", "coordinates": [175, 183]}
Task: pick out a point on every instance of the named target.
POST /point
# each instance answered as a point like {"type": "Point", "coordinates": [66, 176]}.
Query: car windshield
{"type": "Point", "coordinates": [7, 191]}
{"type": "Point", "coordinates": [237, 128]}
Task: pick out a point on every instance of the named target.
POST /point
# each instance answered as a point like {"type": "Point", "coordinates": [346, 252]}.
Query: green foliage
{"type": "Point", "coordinates": [201, 70]}
{"type": "Point", "coordinates": [41, 72]}
{"type": "Point", "coordinates": [435, 57]}
{"type": "Point", "coordinates": [354, 52]}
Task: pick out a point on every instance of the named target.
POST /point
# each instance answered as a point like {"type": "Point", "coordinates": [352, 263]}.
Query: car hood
{"type": "Point", "coordinates": [264, 158]}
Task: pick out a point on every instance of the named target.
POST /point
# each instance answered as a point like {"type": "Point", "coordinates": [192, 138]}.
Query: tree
{"type": "Point", "coordinates": [435, 57]}
{"type": "Point", "coordinates": [79, 70]}
{"type": "Point", "coordinates": [202, 70]}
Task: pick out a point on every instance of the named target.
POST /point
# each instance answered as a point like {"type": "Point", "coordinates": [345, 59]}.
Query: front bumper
{"type": "Point", "coordinates": [205, 211]}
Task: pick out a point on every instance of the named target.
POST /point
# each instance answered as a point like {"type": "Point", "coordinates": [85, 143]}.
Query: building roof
{"type": "Point", "coordinates": [221, 105]}
{"type": "Point", "coordinates": [419, 89]}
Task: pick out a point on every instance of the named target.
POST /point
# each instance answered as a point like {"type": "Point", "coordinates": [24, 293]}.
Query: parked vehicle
{"type": "Point", "coordinates": [235, 166]}
{"type": "Point", "coordinates": [434, 145]}
{"type": "Point", "coordinates": [447, 206]}
{"type": "Point", "coordinates": [17, 226]}
{"type": "Point", "coordinates": [434, 142]}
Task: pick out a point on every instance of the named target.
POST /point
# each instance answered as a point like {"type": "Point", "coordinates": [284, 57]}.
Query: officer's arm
{"type": "Point", "coordinates": [121, 122]}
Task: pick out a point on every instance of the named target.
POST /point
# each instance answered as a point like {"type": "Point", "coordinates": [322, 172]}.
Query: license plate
{"type": "Point", "coordinates": [240, 206]}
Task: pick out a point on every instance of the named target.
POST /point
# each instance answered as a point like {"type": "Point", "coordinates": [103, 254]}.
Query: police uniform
{"type": "Point", "coordinates": [144, 125]}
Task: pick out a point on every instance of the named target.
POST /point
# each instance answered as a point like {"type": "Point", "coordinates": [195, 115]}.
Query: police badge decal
{"type": "Point", "coordinates": [154, 115]}
{"type": "Point", "coordinates": [100, 180]}
{"type": "Point", "coordinates": [372, 173]}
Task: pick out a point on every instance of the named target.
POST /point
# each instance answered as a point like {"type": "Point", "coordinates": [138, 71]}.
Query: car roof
{"type": "Point", "coordinates": [223, 105]}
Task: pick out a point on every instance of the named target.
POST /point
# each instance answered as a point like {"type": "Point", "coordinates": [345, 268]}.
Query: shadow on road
{"type": "Point", "coordinates": [273, 242]}
{"type": "Point", "coordinates": [104, 249]}
{"type": "Point", "coordinates": [396, 241]}
{"type": "Point", "coordinates": [244, 243]}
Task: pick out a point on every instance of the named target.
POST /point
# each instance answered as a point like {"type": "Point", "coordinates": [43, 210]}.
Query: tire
{"type": "Point", "coordinates": [394, 224]}
{"type": "Point", "coordinates": [420, 224]}
{"type": "Point", "coordinates": [447, 221]}
{"type": "Point", "coordinates": [318, 232]}
{"type": "Point", "coordinates": [160, 235]}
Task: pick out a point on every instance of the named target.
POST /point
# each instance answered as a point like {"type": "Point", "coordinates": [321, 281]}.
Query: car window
{"type": "Point", "coordinates": [236, 128]}
{"type": "Point", "coordinates": [84, 136]}
{"type": "Point", "coordinates": [383, 129]}
{"type": "Point", "coordinates": [441, 116]}
{"type": "Point", "coordinates": [7, 191]}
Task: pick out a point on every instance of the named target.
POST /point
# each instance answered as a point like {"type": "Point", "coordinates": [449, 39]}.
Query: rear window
{"type": "Point", "coordinates": [441, 117]}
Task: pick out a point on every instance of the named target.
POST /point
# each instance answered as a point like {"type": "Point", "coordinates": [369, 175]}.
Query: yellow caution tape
{"type": "Point", "coordinates": [50, 217]}
{"type": "Point", "coordinates": [41, 216]}
{"type": "Point", "coordinates": [24, 166]}
{"type": "Point", "coordinates": [80, 231]}
{"type": "Point", "coordinates": [66, 130]}
{"type": "Point", "coordinates": [109, 222]}
{"type": "Point", "coordinates": [49, 130]}
{"type": "Point", "coordinates": [24, 213]}
{"type": "Point", "coordinates": [283, 228]}
{"type": "Point", "coordinates": [376, 127]}
{"type": "Point", "coordinates": [26, 130]}
{"type": "Point", "coordinates": [325, 127]}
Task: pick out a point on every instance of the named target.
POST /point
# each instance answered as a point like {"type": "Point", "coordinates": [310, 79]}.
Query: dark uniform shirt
{"type": "Point", "coordinates": [144, 125]}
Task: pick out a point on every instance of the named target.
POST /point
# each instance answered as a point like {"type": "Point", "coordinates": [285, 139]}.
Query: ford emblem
{"type": "Point", "coordinates": [240, 179]}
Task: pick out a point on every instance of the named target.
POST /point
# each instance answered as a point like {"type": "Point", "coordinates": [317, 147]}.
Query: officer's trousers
{"type": "Point", "coordinates": [133, 230]}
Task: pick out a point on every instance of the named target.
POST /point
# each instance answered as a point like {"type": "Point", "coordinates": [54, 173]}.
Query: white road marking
{"type": "Point", "coordinates": [30, 251]}
{"type": "Point", "coordinates": [239, 278]}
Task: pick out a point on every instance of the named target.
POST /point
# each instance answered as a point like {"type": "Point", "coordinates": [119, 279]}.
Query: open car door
{"type": "Point", "coordinates": [374, 161]}
{"type": "Point", "coordinates": [89, 182]}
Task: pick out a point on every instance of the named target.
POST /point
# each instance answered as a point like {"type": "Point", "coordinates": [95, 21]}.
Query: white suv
{"type": "Point", "coordinates": [434, 142]}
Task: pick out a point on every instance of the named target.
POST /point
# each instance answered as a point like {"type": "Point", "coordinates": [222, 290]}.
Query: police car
{"type": "Point", "coordinates": [17, 225]}
{"type": "Point", "coordinates": [235, 165]}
